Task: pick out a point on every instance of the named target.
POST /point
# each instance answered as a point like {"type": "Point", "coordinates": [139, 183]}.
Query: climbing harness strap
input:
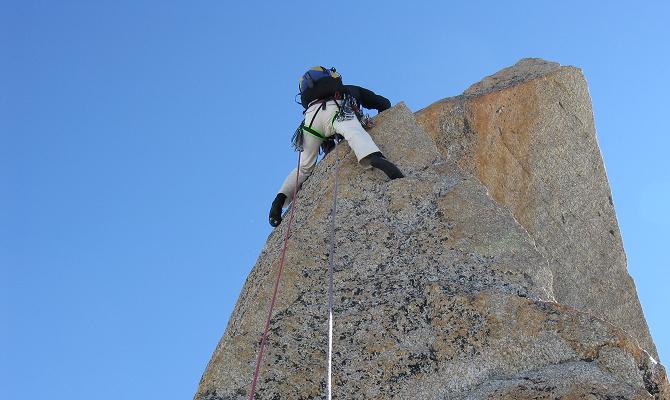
{"type": "Point", "coordinates": [347, 108]}
{"type": "Point", "coordinates": [264, 338]}
{"type": "Point", "coordinates": [331, 259]}
{"type": "Point", "coordinates": [313, 131]}
{"type": "Point", "coordinates": [309, 128]}
{"type": "Point", "coordinates": [297, 139]}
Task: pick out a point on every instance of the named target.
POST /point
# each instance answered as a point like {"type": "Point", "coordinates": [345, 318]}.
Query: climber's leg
{"type": "Point", "coordinates": [357, 138]}
{"type": "Point", "coordinates": [366, 150]}
{"type": "Point", "coordinates": [307, 162]}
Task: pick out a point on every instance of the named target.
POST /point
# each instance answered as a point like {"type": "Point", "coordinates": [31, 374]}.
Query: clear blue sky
{"type": "Point", "coordinates": [141, 143]}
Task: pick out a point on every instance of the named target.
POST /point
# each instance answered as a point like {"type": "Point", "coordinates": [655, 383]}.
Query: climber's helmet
{"type": "Point", "coordinates": [319, 83]}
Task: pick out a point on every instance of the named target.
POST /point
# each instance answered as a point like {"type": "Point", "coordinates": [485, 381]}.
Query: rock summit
{"type": "Point", "coordinates": [494, 270]}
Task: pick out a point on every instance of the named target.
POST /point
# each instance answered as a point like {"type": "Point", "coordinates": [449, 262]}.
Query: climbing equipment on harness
{"type": "Point", "coordinates": [347, 109]}
{"type": "Point", "coordinates": [276, 286]}
{"type": "Point", "coordinates": [297, 139]}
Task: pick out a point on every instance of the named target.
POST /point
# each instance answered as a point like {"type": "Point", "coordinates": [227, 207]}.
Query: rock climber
{"type": "Point", "coordinates": [331, 108]}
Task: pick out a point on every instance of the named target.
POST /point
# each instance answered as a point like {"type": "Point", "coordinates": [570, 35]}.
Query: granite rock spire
{"type": "Point", "coordinates": [466, 279]}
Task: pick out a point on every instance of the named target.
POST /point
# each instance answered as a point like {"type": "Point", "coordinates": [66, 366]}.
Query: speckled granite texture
{"type": "Point", "coordinates": [527, 133]}
{"type": "Point", "coordinates": [440, 293]}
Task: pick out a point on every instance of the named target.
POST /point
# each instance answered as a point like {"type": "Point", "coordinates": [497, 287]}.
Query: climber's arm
{"type": "Point", "coordinates": [371, 100]}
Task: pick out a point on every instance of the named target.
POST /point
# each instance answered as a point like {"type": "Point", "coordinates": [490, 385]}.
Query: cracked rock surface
{"type": "Point", "coordinates": [440, 293]}
{"type": "Point", "coordinates": [527, 133]}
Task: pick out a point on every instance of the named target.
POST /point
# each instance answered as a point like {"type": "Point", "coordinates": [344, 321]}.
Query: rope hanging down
{"type": "Point", "coordinates": [331, 256]}
{"type": "Point", "coordinates": [252, 392]}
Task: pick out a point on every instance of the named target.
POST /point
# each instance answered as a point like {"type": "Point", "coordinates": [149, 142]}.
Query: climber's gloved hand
{"type": "Point", "coordinates": [275, 210]}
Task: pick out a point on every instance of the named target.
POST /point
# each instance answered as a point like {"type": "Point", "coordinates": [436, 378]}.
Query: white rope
{"type": "Point", "coordinates": [331, 256]}
{"type": "Point", "coordinates": [330, 355]}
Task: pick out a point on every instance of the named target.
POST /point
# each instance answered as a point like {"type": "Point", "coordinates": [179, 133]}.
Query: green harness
{"type": "Point", "coordinates": [313, 131]}
{"type": "Point", "coordinates": [299, 133]}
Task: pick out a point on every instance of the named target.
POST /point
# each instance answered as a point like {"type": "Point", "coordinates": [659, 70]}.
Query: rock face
{"type": "Point", "coordinates": [527, 133]}
{"type": "Point", "coordinates": [440, 293]}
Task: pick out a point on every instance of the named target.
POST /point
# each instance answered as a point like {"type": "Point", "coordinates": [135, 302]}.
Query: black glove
{"type": "Point", "coordinates": [275, 210]}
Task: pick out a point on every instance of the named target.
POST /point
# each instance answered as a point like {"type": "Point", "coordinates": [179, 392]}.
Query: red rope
{"type": "Point", "coordinates": [276, 287]}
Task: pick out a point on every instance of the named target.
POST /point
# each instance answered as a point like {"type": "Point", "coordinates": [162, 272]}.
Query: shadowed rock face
{"type": "Point", "coordinates": [439, 294]}
{"type": "Point", "coordinates": [527, 133]}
